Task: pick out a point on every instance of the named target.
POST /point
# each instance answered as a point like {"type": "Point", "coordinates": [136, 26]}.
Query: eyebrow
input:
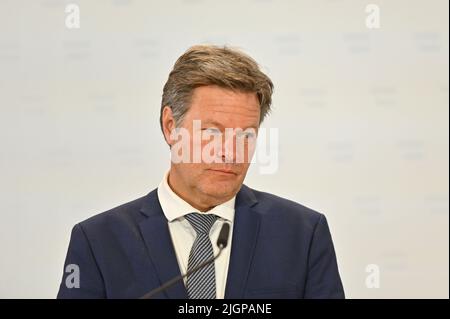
{"type": "Point", "coordinates": [212, 122]}
{"type": "Point", "coordinates": [218, 125]}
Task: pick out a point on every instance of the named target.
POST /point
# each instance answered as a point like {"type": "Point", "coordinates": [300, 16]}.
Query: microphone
{"type": "Point", "coordinates": [222, 242]}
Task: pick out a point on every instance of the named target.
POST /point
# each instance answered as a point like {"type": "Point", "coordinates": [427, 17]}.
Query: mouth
{"type": "Point", "coordinates": [223, 171]}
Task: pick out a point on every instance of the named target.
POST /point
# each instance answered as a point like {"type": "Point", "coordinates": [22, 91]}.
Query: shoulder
{"type": "Point", "coordinates": [275, 207]}
{"type": "Point", "coordinates": [127, 214]}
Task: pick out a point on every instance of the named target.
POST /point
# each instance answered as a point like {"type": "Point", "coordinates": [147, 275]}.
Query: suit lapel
{"type": "Point", "coordinates": [245, 233]}
{"type": "Point", "coordinates": [155, 232]}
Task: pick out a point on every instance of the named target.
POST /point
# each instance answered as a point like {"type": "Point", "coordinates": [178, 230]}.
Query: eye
{"type": "Point", "coordinates": [211, 130]}
{"type": "Point", "coordinates": [245, 135]}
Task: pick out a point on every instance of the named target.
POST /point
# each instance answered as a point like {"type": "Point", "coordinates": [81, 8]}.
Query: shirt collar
{"type": "Point", "coordinates": [175, 207]}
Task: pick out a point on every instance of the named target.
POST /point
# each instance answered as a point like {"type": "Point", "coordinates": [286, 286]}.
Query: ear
{"type": "Point", "coordinates": [168, 124]}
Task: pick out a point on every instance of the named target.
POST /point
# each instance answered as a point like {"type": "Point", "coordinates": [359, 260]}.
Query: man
{"type": "Point", "coordinates": [276, 248]}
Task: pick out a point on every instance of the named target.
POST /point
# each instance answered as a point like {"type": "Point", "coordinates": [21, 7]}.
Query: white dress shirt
{"type": "Point", "coordinates": [183, 234]}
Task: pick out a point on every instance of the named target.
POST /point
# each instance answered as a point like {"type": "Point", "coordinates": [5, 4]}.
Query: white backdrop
{"type": "Point", "coordinates": [362, 115]}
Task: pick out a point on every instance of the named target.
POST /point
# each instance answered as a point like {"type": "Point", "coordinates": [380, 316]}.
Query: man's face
{"type": "Point", "coordinates": [219, 110]}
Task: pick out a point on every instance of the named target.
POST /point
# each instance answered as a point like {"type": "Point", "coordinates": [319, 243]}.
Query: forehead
{"type": "Point", "coordinates": [225, 107]}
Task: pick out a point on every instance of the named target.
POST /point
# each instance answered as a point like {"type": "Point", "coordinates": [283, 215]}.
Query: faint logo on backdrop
{"type": "Point", "coordinates": [73, 16]}
{"type": "Point", "coordinates": [314, 97]}
{"type": "Point", "coordinates": [384, 96]}
{"type": "Point", "coordinates": [341, 151]}
{"type": "Point", "coordinates": [357, 42]}
{"type": "Point", "coordinates": [373, 278]}
{"type": "Point", "coordinates": [77, 50]}
{"type": "Point", "coordinates": [411, 149]}
{"type": "Point", "coordinates": [289, 44]}
{"type": "Point", "coordinates": [428, 42]}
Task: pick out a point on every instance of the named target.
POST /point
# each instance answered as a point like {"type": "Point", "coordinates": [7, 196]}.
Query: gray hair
{"type": "Point", "coordinates": [204, 65]}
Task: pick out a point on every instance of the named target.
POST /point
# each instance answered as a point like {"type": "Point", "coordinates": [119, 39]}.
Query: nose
{"type": "Point", "coordinates": [226, 152]}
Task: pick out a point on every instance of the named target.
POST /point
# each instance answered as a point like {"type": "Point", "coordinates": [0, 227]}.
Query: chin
{"type": "Point", "coordinates": [219, 190]}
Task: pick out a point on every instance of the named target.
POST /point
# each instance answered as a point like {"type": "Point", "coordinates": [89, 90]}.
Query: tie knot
{"type": "Point", "coordinates": [202, 223]}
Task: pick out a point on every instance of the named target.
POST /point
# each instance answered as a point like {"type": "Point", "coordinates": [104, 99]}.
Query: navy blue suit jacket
{"type": "Point", "coordinates": [280, 249]}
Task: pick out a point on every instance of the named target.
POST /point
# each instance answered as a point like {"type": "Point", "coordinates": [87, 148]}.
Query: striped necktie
{"type": "Point", "coordinates": [202, 283]}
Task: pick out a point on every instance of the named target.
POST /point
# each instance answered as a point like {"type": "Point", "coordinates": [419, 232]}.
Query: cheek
{"type": "Point", "coordinates": [191, 172]}
{"type": "Point", "coordinates": [244, 170]}
{"type": "Point", "coordinates": [245, 149]}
